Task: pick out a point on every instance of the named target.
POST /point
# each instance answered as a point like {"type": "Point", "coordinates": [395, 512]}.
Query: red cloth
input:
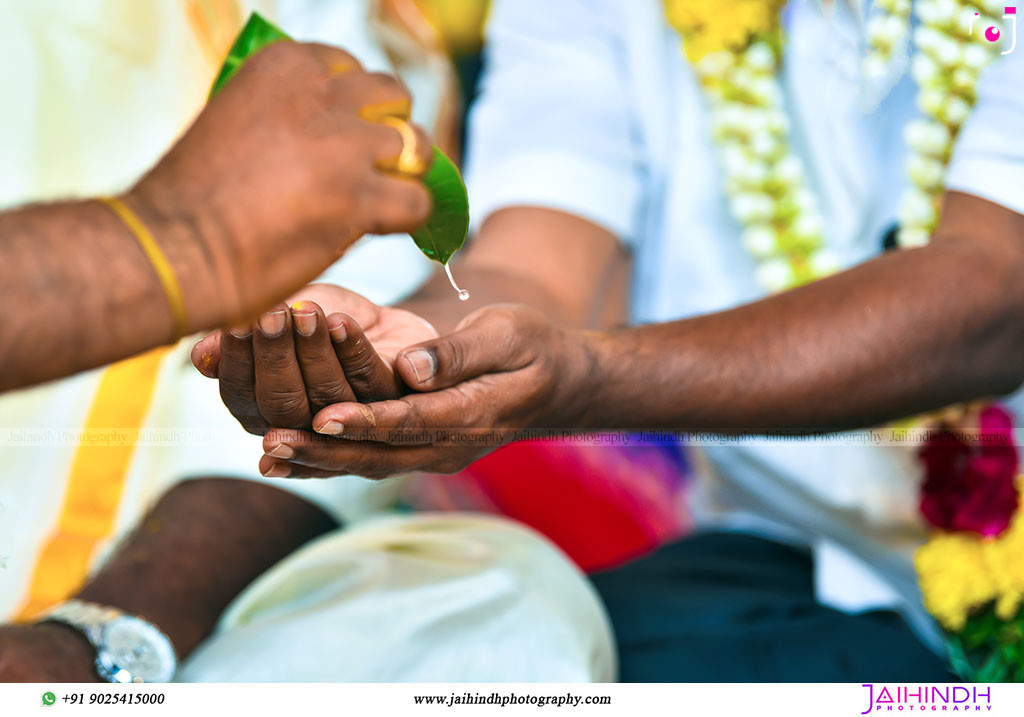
{"type": "Point", "coordinates": [602, 504]}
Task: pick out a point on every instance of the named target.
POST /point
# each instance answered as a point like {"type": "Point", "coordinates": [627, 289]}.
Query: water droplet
{"type": "Point", "coordinates": [463, 294]}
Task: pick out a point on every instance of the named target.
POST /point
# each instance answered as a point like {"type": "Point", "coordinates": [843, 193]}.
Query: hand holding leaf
{"type": "Point", "coordinates": [448, 224]}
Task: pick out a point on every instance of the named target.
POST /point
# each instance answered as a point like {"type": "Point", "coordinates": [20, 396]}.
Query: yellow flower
{"type": "Point", "coordinates": [1004, 559]}
{"type": "Point", "coordinates": [961, 572]}
{"type": "Point", "coordinates": [954, 577]}
{"type": "Point", "coordinates": [711, 26]}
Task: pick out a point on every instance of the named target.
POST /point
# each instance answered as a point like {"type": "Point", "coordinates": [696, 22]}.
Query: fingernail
{"type": "Point", "coordinates": [305, 324]}
{"type": "Point", "coordinates": [281, 451]}
{"type": "Point", "coordinates": [272, 324]}
{"type": "Point", "coordinates": [331, 428]}
{"type": "Point", "coordinates": [336, 328]}
{"type": "Point", "coordinates": [241, 332]}
{"type": "Point", "coordinates": [278, 470]}
{"type": "Point", "coordinates": [423, 363]}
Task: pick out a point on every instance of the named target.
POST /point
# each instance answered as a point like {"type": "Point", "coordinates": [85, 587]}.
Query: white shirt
{"type": "Point", "coordinates": [588, 106]}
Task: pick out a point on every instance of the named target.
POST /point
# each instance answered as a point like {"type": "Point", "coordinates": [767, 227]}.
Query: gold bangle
{"type": "Point", "coordinates": [159, 262]}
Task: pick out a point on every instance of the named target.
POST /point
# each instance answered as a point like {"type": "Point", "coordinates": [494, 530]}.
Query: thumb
{"type": "Point", "coordinates": [486, 343]}
{"type": "Point", "coordinates": [206, 355]}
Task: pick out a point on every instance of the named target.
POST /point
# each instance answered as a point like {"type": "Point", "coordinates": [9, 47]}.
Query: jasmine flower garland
{"type": "Point", "coordinates": [888, 30]}
{"type": "Point", "coordinates": [736, 56]}
{"type": "Point", "coordinates": [951, 52]}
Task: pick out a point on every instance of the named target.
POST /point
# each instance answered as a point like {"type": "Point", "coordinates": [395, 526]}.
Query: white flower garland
{"type": "Point", "coordinates": [765, 181]}
{"type": "Point", "coordinates": [887, 32]}
{"type": "Point", "coordinates": [951, 52]}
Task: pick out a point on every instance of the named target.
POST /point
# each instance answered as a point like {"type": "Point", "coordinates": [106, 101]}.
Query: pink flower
{"type": "Point", "coordinates": [971, 485]}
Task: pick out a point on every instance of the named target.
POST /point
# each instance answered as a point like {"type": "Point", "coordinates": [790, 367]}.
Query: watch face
{"type": "Point", "coordinates": [134, 649]}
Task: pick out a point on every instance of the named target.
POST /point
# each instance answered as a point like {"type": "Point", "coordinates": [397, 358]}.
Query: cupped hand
{"type": "Point", "coordinates": [506, 368]}
{"type": "Point", "coordinates": [329, 346]}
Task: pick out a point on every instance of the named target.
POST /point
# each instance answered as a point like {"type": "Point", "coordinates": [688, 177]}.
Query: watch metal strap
{"type": "Point", "coordinates": [88, 617]}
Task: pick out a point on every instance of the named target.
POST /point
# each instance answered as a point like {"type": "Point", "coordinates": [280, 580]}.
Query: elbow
{"type": "Point", "coordinates": [999, 351]}
{"type": "Point", "coordinates": [992, 312]}
{"type": "Point", "coordinates": [998, 344]}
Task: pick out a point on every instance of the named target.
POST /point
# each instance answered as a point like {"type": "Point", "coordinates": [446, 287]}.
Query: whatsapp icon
{"type": "Point", "coordinates": [49, 698]}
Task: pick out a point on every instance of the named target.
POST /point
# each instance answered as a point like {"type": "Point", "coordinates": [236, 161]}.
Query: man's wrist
{"type": "Point", "coordinates": [217, 536]}
{"type": "Point", "coordinates": [183, 240]}
{"type": "Point", "coordinates": [580, 375]}
{"type": "Point", "coordinates": [118, 588]}
{"type": "Point", "coordinates": [71, 648]}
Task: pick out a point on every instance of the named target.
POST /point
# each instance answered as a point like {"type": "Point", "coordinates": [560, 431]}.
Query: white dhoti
{"type": "Point", "coordinates": [426, 598]}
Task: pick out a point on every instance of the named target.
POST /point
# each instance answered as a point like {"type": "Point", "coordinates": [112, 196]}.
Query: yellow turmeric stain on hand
{"type": "Point", "coordinates": [368, 413]}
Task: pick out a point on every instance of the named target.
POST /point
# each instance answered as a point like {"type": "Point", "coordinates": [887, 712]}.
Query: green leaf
{"type": "Point", "coordinates": [257, 34]}
{"type": "Point", "coordinates": [988, 648]}
{"type": "Point", "coordinates": [446, 228]}
{"type": "Point", "coordinates": [957, 657]}
{"type": "Point", "coordinates": [993, 668]}
{"type": "Point", "coordinates": [448, 224]}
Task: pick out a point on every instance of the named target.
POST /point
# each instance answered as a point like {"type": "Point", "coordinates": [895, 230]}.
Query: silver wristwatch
{"type": "Point", "coordinates": [128, 648]}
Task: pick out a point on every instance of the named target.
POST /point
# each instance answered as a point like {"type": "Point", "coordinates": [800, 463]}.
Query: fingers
{"type": "Point", "coordinates": [426, 418]}
{"type": "Point", "coordinates": [293, 363]}
{"type": "Point", "coordinates": [379, 421]}
{"type": "Point", "coordinates": [491, 340]}
{"type": "Point", "coordinates": [394, 138]}
{"type": "Point", "coordinates": [274, 468]}
{"type": "Point", "coordinates": [238, 379]}
{"type": "Point", "coordinates": [291, 454]}
{"type": "Point", "coordinates": [280, 390]}
{"type": "Point", "coordinates": [371, 95]}
{"type": "Point", "coordinates": [206, 354]}
{"type": "Point", "coordinates": [335, 60]}
{"type": "Point", "coordinates": [279, 448]}
{"type": "Point", "coordinates": [369, 376]}
{"type": "Point", "coordinates": [394, 203]}
{"type": "Point", "coordinates": [321, 371]}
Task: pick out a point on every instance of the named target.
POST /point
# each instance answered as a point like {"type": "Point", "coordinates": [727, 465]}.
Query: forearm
{"type": "Point", "coordinates": [204, 542]}
{"type": "Point", "coordinates": [908, 332]}
{"type": "Point", "coordinates": [78, 290]}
